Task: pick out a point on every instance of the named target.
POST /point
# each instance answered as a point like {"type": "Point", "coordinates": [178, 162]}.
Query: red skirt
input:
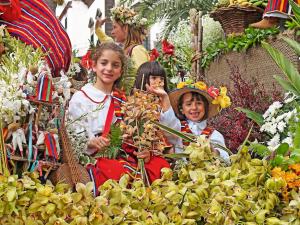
{"type": "Point", "coordinates": [106, 169]}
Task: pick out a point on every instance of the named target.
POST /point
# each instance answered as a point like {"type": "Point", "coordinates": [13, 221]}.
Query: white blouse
{"type": "Point", "coordinates": [80, 105]}
{"type": "Point", "coordinates": [196, 128]}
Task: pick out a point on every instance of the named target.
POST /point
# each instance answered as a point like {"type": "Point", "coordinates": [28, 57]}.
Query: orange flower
{"type": "Point", "coordinates": [295, 167]}
{"type": "Point", "coordinates": [290, 177]}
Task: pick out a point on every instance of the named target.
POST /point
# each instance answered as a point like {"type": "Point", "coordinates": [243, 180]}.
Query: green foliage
{"type": "Point", "coordinates": [294, 23]}
{"type": "Point", "coordinates": [172, 11]}
{"type": "Point", "coordinates": [236, 43]}
{"type": "Point", "coordinates": [292, 83]}
{"type": "Point", "coordinates": [256, 117]}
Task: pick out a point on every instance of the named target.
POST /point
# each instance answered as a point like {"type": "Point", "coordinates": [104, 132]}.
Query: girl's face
{"type": "Point", "coordinates": [119, 32]}
{"type": "Point", "coordinates": [108, 68]}
{"type": "Point", "coordinates": [156, 81]}
{"type": "Point", "coordinates": [192, 108]}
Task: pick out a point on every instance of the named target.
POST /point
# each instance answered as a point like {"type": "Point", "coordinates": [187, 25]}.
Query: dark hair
{"type": "Point", "coordinates": [197, 96]}
{"type": "Point", "coordinates": [116, 48]}
{"type": "Point", "coordinates": [145, 71]}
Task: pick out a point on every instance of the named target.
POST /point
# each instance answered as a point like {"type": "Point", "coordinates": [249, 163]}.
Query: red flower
{"type": "Point", "coordinates": [86, 60]}
{"type": "Point", "coordinates": [154, 54]}
{"type": "Point", "coordinates": [213, 92]}
{"type": "Point", "coordinates": [167, 47]}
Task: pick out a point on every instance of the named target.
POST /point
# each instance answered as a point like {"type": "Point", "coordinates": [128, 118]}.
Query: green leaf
{"type": "Point", "coordinates": [221, 147]}
{"type": "Point", "coordinates": [295, 156]}
{"type": "Point", "coordinates": [256, 117]}
{"type": "Point", "coordinates": [176, 155]}
{"type": "Point", "coordinates": [286, 85]}
{"type": "Point", "coordinates": [182, 135]}
{"type": "Point", "coordinates": [294, 44]}
{"type": "Point", "coordinates": [282, 149]}
{"type": "Point", "coordinates": [285, 65]}
{"type": "Point", "coordinates": [278, 160]}
{"type": "Point", "coordinates": [295, 9]}
{"type": "Point", "coordinates": [260, 149]}
{"type": "Point", "coordinates": [296, 139]}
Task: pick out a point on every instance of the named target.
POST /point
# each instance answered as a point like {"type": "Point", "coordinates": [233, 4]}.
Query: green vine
{"type": "Point", "coordinates": [236, 43]}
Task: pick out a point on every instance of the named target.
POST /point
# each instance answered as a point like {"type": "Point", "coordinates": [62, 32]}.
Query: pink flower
{"type": "Point", "coordinates": [213, 92]}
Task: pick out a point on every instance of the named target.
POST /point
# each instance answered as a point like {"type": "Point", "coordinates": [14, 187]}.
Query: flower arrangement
{"type": "Point", "coordinates": [278, 120]}
{"type": "Point", "coordinates": [128, 16]}
{"type": "Point", "coordinates": [167, 57]}
{"type": "Point", "coordinates": [219, 95]}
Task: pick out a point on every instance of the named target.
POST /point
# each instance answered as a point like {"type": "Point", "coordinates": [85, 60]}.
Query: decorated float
{"type": "Point", "coordinates": [43, 179]}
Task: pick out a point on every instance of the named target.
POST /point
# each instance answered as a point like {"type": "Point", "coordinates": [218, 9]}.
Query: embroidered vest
{"type": "Point", "coordinates": [185, 128]}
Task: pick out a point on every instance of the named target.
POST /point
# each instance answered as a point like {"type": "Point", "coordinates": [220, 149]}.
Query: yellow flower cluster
{"type": "Point", "coordinates": [219, 95]}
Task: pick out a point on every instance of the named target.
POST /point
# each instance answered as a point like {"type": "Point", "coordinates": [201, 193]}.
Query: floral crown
{"type": "Point", "coordinates": [218, 95]}
{"type": "Point", "coordinates": [128, 16]}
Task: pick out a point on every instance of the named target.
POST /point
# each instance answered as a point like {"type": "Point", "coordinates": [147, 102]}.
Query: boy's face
{"type": "Point", "coordinates": [192, 108]}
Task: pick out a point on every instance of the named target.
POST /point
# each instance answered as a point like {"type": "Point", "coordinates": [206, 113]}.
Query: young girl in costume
{"type": "Point", "coordinates": [151, 77]}
{"type": "Point", "coordinates": [194, 104]}
{"type": "Point", "coordinates": [129, 30]}
{"type": "Point", "coordinates": [108, 64]}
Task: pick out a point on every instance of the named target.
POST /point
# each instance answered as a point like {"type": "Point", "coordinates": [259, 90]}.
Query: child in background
{"type": "Point", "coordinates": [151, 77]}
{"type": "Point", "coordinates": [193, 105]}
{"type": "Point", "coordinates": [108, 64]}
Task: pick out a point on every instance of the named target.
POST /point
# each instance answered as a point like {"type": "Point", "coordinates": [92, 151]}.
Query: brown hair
{"type": "Point", "coordinates": [145, 71]}
{"type": "Point", "coordinates": [116, 48]}
{"type": "Point", "coordinates": [135, 35]}
{"type": "Point", "coordinates": [197, 96]}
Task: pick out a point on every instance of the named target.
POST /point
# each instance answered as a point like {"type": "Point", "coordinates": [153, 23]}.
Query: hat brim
{"type": "Point", "coordinates": [175, 95]}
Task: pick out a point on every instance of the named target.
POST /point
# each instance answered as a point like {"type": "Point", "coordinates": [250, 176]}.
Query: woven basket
{"type": "Point", "coordinates": [234, 19]}
{"type": "Point", "coordinates": [70, 172]}
{"type": "Point", "coordinates": [77, 84]}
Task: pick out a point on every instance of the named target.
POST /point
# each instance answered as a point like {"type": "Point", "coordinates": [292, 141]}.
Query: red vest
{"type": "Point", "coordinates": [185, 128]}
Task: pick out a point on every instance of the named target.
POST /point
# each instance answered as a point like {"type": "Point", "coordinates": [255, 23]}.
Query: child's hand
{"type": "Point", "coordinates": [156, 90]}
{"type": "Point", "coordinates": [98, 143]}
{"type": "Point", "coordinates": [145, 154]}
{"type": "Point", "coordinates": [100, 22]}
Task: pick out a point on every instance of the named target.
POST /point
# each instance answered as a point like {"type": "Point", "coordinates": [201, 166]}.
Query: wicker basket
{"type": "Point", "coordinates": [77, 84]}
{"type": "Point", "coordinates": [234, 19]}
{"type": "Point", "coordinates": [70, 172]}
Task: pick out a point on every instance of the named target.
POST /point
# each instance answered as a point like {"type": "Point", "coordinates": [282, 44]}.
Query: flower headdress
{"type": "Point", "coordinates": [217, 98]}
{"type": "Point", "coordinates": [128, 16]}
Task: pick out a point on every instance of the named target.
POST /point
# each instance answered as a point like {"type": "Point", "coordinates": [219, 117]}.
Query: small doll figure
{"type": "Point", "coordinates": [45, 87]}
{"type": "Point", "coordinates": [50, 139]}
{"type": "Point", "coordinates": [18, 137]}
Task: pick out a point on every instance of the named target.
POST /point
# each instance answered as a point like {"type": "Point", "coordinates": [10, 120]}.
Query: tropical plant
{"type": "Point", "coordinates": [172, 11]}
{"type": "Point", "coordinates": [294, 24]}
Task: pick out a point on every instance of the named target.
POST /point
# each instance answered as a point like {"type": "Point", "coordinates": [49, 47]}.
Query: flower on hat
{"type": "Point", "coordinates": [181, 85]}
{"type": "Point", "coordinates": [219, 96]}
{"type": "Point", "coordinates": [223, 100]}
{"type": "Point", "coordinates": [128, 16]}
{"type": "Point", "coordinates": [201, 85]}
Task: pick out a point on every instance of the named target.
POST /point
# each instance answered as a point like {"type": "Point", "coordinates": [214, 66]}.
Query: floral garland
{"type": "Point", "coordinates": [219, 95]}
{"type": "Point", "coordinates": [128, 16]}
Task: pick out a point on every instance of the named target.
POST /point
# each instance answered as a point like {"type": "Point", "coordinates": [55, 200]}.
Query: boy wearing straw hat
{"type": "Point", "coordinates": [193, 105]}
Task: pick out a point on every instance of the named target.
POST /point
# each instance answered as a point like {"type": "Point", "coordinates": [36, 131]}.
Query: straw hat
{"type": "Point", "coordinates": [217, 98]}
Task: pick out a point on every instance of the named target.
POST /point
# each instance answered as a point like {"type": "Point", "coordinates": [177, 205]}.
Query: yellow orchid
{"type": "Point", "coordinates": [223, 101]}
{"type": "Point", "coordinates": [201, 85]}
{"type": "Point", "coordinates": [181, 85]}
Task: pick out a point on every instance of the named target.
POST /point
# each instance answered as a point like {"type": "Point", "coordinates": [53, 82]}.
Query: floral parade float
{"type": "Point", "coordinates": [200, 189]}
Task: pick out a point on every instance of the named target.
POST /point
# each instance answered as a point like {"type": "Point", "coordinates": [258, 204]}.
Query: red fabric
{"type": "Point", "coordinates": [12, 11]}
{"type": "Point", "coordinates": [106, 169]}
